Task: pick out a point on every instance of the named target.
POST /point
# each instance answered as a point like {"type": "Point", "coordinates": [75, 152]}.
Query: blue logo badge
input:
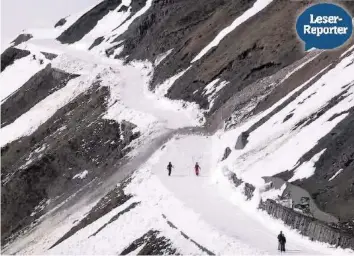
{"type": "Point", "coordinates": [324, 26]}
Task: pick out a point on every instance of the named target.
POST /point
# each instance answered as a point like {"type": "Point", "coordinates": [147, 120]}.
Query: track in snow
{"type": "Point", "coordinates": [201, 195]}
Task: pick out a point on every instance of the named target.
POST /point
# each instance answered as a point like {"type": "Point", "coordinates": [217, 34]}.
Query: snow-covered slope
{"type": "Point", "coordinates": [93, 111]}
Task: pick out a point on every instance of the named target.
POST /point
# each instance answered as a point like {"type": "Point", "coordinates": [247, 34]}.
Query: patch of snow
{"type": "Point", "coordinates": [258, 6]}
{"type": "Point", "coordinates": [273, 193]}
{"type": "Point", "coordinates": [300, 66]}
{"type": "Point", "coordinates": [124, 27]}
{"type": "Point", "coordinates": [62, 128]}
{"type": "Point", "coordinates": [17, 74]}
{"type": "Point", "coordinates": [104, 27]}
{"type": "Point", "coordinates": [162, 89]}
{"type": "Point", "coordinates": [28, 122]}
{"type": "Point", "coordinates": [161, 57]}
{"type": "Point", "coordinates": [212, 89]}
{"type": "Point", "coordinates": [336, 174]}
{"type": "Point", "coordinates": [40, 149]}
{"type": "Point", "coordinates": [307, 169]}
{"type": "Point", "coordinates": [81, 175]}
{"type": "Point", "coordinates": [276, 148]}
{"type": "Point", "coordinates": [117, 51]}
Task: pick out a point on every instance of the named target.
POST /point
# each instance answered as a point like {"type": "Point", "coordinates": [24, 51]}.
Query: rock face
{"type": "Point", "coordinates": [227, 152]}
{"type": "Point", "coordinates": [153, 244]}
{"type": "Point", "coordinates": [60, 23]}
{"type": "Point", "coordinates": [248, 188]}
{"type": "Point", "coordinates": [87, 22]}
{"type": "Point", "coordinates": [11, 54]}
{"type": "Point", "coordinates": [241, 140]}
{"type": "Point", "coordinates": [21, 39]}
{"type": "Point", "coordinates": [41, 85]}
{"type": "Point", "coordinates": [314, 229]}
{"type": "Point", "coordinates": [333, 196]}
{"type": "Point", "coordinates": [44, 164]}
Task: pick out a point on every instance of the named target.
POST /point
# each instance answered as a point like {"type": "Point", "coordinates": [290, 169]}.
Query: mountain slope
{"type": "Point", "coordinates": [93, 111]}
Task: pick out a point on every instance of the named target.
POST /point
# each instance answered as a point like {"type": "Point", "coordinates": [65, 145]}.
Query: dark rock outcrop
{"type": "Point", "coordinates": [248, 188]}
{"type": "Point", "coordinates": [242, 140]}
{"type": "Point", "coordinates": [11, 54]}
{"type": "Point", "coordinates": [154, 244]}
{"type": "Point", "coordinates": [334, 196]}
{"type": "Point", "coordinates": [40, 86]}
{"type": "Point", "coordinates": [43, 164]}
{"type": "Point", "coordinates": [97, 41]}
{"type": "Point", "coordinates": [60, 23]}
{"type": "Point", "coordinates": [227, 152]}
{"type": "Point", "coordinates": [21, 39]}
{"type": "Point", "coordinates": [308, 226]}
{"type": "Point", "coordinates": [49, 56]}
{"type": "Point", "coordinates": [300, 199]}
{"type": "Point", "coordinates": [87, 22]}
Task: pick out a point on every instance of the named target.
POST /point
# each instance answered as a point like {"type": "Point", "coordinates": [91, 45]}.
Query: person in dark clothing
{"type": "Point", "coordinates": [169, 168]}
{"type": "Point", "coordinates": [197, 168]}
{"type": "Point", "coordinates": [282, 241]}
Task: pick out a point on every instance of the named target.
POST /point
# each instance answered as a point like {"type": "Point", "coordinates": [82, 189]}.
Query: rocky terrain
{"type": "Point", "coordinates": [93, 111]}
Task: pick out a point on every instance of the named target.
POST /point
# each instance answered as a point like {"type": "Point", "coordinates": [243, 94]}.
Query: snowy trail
{"type": "Point", "coordinates": [130, 98]}
{"type": "Point", "coordinates": [201, 195]}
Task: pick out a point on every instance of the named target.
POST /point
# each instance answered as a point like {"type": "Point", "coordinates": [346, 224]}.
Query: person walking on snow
{"type": "Point", "coordinates": [282, 241]}
{"type": "Point", "coordinates": [197, 168]}
{"type": "Point", "coordinates": [169, 168]}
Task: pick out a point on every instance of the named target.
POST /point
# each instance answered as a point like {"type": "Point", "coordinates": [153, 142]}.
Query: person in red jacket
{"type": "Point", "coordinates": [197, 168]}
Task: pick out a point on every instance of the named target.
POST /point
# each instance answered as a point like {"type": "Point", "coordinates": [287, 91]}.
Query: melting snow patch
{"type": "Point", "coordinates": [81, 175]}
{"type": "Point", "coordinates": [307, 169]}
{"type": "Point", "coordinates": [162, 56]}
{"type": "Point", "coordinates": [336, 174]}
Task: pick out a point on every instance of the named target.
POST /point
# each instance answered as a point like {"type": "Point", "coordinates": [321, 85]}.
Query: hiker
{"type": "Point", "coordinates": [169, 168]}
{"type": "Point", "coordinates": [197, 168]}
{"type": "Point", "coordinates": [282, 241]}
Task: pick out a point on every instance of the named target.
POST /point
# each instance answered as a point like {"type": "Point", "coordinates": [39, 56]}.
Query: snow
{"type": "Point", "coordinates": [110, 26]}
{"type": "Point", "coordinates": [275, 147]}
{"type": "Point", "coordinates": [212, 89]}
{"type": "Point", "coordinates": [300, 67]}
{"type": "Point", "coordinates": [223, 221]}
{"type": "Point", "coordinates": [81, 175]}
{"type": "Point", "coordinates": [124, 27]}
{"type": "Point", "coordinates": [104, 27]}
{"type": "Point", "coordinates": [162, 89]}
{"type": "Point", "coordinates": [257, 7]}
{"type": "Point", "coordinates": [348, 50]}
{"type": "Point", "coordinates": [336, 174]}
{"type": "Point", "coordinates": [130, 98]}
{"type": "Point", "coordinates": [161, 57]}
{"type": "Point", "coordinates": [38, 14]}
{"type": "Point", "coordinates": [307, 169]}
{"type": "Point", "coordinates": [41, 112]}
{"type": "Point", "coordinates": [15, 75]}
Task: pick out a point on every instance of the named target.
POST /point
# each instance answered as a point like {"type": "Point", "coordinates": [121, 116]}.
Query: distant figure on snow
{"type": "Point", "coordinates": [197, 168]}
{"type": "Point", "coordinates": [169, 168]}
{"type": "Point", "coordinates": [282, 241]}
